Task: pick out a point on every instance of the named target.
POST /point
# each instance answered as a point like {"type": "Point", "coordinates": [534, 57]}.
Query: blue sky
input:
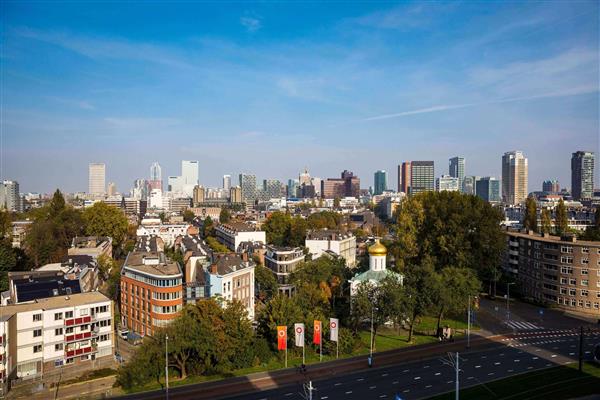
{"type": "Point", "coordinates": [272, 87]}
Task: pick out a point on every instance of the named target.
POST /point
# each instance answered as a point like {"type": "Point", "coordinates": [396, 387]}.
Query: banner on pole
{"type": "Point", "coordinates": [334, 324]}
{"type": "Point", "coordinates": [281, 337]}
{"type": "Point", "coordinates": [317, 332]}
{"type": "Point", "coordinates": [299, 331]}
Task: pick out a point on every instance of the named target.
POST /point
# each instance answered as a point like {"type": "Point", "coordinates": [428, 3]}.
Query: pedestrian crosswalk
{"type": "Point", "coordinates": [522, 325]}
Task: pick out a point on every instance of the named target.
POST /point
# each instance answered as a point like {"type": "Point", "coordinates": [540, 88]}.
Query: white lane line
{"type": "Point", "coordinates": [450, 382]}
{"type": "Point", "coordinates": [438, 373]}
{"type": "Point", "coordinates": [337, 384]}
{"type": "Point", "coordinates": [478, 366]}
{"type": "Point", "coordinates": [372, 387]}
{"type": "Point", "coordinates": [384, 375]}
{"type": "Point", "coordinates": [324, 397]}
{"type": "Point", "coordinates": [517, 360]}
{"type": "Point", "coordinates": [426, 366]}
{"type": "Point", "coordinates": [490, 374]}
{"type": "Point", "coordinates": [395, 383]}
{"type": "Point", "coordinates": [289, 394]}
{"type": "Point", "coordinates": [553, 355]}
{"type": "Point", "coordinates": [406, 391]}
{"type": "Point", "coordinates": [496, 363]}
{"type": "Point", "coordinates": [349, 392]}
{"type": "Point", "coordinates": [470, 377]}
{"type": "Point", "coordinates": [510, 370]}
{"type": "Point", "coordinates": [535, 358]}
{"type": "Point", "coordinates": [360, 379]}
{"type": "Point", "coordinates": [405, 371]}
{"type": "Point", "coordinates": [382, 396]}
{"type": "Point", "coordinates": [427, 387]}
{"type": "Point", "coordinates": [571, 354]}
{"type": "Point", "coordinates": [417, 378]}
{"type": "Point", "coordinates": [529, 367]}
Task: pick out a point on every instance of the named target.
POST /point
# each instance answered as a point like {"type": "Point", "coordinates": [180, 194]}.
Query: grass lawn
{"type": "Point", "coordinates": [563, 382]}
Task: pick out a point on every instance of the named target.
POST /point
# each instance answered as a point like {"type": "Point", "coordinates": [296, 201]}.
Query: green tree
{"type": "Point", "coordinates": [336, 202]}
{"type": "Point", "coordinates": [214, 244]}
{"type": "Point", "coordinates": [530, 220]}
{"type": "Point", "coordinates": [208, 228]}
{"type": "Point", "coordinates": [281, 310]}
{"type": "Point", "coordinates": [453, 289]}
{"type": "Point", "coordinates": [54, 227]}
{"type": "Point", "coordinates": [188, 215]}
{"type": "Point", "coordinates": [8, 262]}
{"type": "Point", "coordinates": [546, 221]}
{"type": "Point", "coordinates": [265, 283]}
{"type": "Point", "coordinates": [420, 292]}
{"type": "Point", "coordinates": [224, 215]}
{"type": "Point", "coordinates": [5, 223]}
{"type": "Point", "coordinates": [102, 219]}
{"type": "Point", "coordinates": [297, 235]}
{"type": "Point", "coordinates": [277, 228]}
{"type": "Point", "coordinates": [561, 219]}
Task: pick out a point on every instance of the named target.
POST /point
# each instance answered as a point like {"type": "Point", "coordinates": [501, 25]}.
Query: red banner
{"type": "Point", "coordinates": [317, 332]}
{"type": "Point", "coordinates": [281, 337]}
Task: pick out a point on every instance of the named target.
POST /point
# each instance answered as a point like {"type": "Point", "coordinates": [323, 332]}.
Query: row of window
{"type": "Point", "coordinates": [579, 303]}
{"type": "Point", "coordinates": [69, 314]}
{"type": "Point", "coordinates": [153, 281]}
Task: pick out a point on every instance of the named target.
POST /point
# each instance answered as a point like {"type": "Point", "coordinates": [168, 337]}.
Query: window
{"type": "Point", "coordinates": [69, 314]}
{"type": "Point", "coordinates": [566, 270]}
{"type": "Point", "coordinates": [584, 271]}
{"type": "Point", "coordinates": [585, 250]}
{"type": "Point", "coordinates": [563, 281]}
{"type": "Point", "coordinates": [580, 303]}
{"type": "Point", "coordinates": [37, 348]}
{"type": "Point", "coordinates": [37, 333]}
{"type": "Point", "coordinates": [103, 338]}
{"type": "Point", "coordinates": [105, 322]}
{"type": "Point", "coordinates": [572, 292]}
{"type": "Point", "coordinates": [37, 317]}
{"type": "Point", "coordinates": [596, 305]}
{"type": "Point", "coordinates": [584, 292]}
{"type": "Point", "coordinates": [58, 331]}
{"type": "Point", "coordinates": [83, 312]}
{"type": "Point", "coordinates": [572, 281]}
{"type": "Point", "coordinates": [566, 259]}
{"type": "Point", "coordinates": [584, 282]}
{"type": "Point", "coordinates": [58, 316]}
{"type": "Point", "coordinates": [585, 261]}
{"type": "Point", "coordinates": [58, 347]}
{"type": "Point", "coordinates": [566, 249]}
{"type": "Point", "coordinates": [563, 290]}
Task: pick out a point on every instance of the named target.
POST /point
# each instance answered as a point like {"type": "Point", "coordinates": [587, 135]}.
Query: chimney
{"type": "Point", "coordinates": [213, 269]}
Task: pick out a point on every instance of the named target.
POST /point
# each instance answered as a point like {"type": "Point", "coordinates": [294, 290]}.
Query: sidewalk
{"type": "Point", "coordinates": [94, 389]}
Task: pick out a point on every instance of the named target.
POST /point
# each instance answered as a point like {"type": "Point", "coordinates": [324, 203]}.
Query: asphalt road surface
{"type": "Point", "coordinates": [524, 351]}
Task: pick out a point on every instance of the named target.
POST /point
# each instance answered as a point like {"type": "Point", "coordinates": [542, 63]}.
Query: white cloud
{"type": "Point", "coordinates": [252, 24]}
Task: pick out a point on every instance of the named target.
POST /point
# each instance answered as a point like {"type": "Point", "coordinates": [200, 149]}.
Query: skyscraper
{"type": "Point", "coordinates": [155, 176]}
{"type": "Point", "coordinates": [235, 194]}
{"type": "Point", "coordinates": [456, 169]}
{"type": "Point", "coordinates": [198, 195]}
{"type": "Point", "coordinates": [582, 175]}
{"type": "Point", "coordinates": [227, 182]}
{"type": "Point", "coordinates": [488, 188]}
{"type": "Point", "coordinates": [271, 189]}
{"type": "Point", "coordinates": [304, 178]}
{"type": "Point", "coordinates": [10, 197]}
{"type": "Point", "coordinates": [249, 189]}
{"type": "Point", "coordinates": [514, 177]}
{"type": "Point", "coordinates": [380, 182]}
{"type": "Point", "coordinates": [97, 178]}
{"type": "Point", "coordinates": [421, 177]}
{"type": "Point", "coordinates": [189, 176]}
{"type": "Point", "coordinates": [404, 177]}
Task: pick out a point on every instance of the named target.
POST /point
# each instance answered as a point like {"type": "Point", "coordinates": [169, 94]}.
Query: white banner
{"type": "Point", "coordinates": [299, 331]}
{"type": "Point", "coordinates": [334, 326]}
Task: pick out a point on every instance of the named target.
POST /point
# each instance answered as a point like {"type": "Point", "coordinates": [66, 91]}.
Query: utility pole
{"type": "Point", "coordinates": [581, 348]}
{"type": "Point", "coordinates": [167, 366]}
{"type": "Point", "coordinates": [371, 351]}
{"type": "Point", "coordinates": [469, 324]}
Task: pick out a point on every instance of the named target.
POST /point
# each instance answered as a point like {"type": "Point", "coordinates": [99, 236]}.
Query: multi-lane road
{"type": "Point", "coordinates": [508, 355]}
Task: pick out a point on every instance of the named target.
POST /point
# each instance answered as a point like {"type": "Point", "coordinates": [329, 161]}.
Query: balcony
{"type": "Point", "coordinates": [78, 336]}
{"type": "Point", "coordinates": [79, 352]}
{"type": "Point", "coordinates": [78, 321]}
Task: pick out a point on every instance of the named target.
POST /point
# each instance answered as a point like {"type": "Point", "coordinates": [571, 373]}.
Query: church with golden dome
{"type": "Point", "coordinates": [377, 269]}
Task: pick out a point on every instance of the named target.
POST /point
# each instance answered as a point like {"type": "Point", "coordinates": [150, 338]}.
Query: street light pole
{"type": "Point", "coordinates": [508, 299]}
{"type": "Point", "coordinates": [371, 351]}
{"type": "Point", "coordinates": [167, 366]}
{"type": "Point", "coordinates": [469, 324]}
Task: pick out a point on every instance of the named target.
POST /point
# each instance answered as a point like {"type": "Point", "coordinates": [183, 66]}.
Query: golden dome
{"type": "Point", "coordinates": [377, 249]}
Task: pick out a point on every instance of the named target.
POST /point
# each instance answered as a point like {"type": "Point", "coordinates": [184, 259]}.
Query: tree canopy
{"type": "Point", "coordinates": [102, 219]}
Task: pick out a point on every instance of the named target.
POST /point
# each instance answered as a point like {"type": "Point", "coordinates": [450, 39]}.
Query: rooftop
{"type": "Point", "coordinates": [553, 239]}
{"type": "Point", "coordinates": [54, 302]}
{"type": "Point", "coordinates": [328, 234]}
{"type": "Point", "coordinates": [83, 242]}
{"type": "Point", "coordinates": [229, 263]}
{"type": "Point", "coordinates": [239, 227]}
{"type": "Point", "coordinates": [151, 262]}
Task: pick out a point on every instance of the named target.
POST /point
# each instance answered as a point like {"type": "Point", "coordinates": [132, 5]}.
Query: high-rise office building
{"type": "Point", "coordinates": [582, 175]}
{"type": "Point", "coordinates": [447, 183]}
{"type": "Point", "coordinates": [404, 177]}
{"type": "Point", "coordinates": [488, 188]}
{"type": "Point", "coordinates": [421, 177]}
{"type": "Point", "coordinates": [456, 169]}
{"type": "Point", "coordinates": [304, 178]}
{"type": "Point", "coordinates": [249, 189]}
{"type": "Point", "coordinates": [111, 189]}
{"type": "Point", "coordinates": [380, 182]}
{"type": "Point", "coordinates": [175, 184]}
{"type": "Point", "coordinates": [514, 177]}
{"type": "Point", "coordinates": [227, 182]}
{"type": "Point", "coordinates": [551, 186]}
{"type": "Point", "coordinates": [189, 176]}
{"type": "Point", "coordinates": [235, 194]}
{"type": "Point", "coordinates": [470, 184]}
{"type": "Point", "coordinates": [155, 176]}
{"type": "Point", "coordinates": [293, 188]}
{"type": "Point", "coordinates": [351, 184]}
{"type": "Point", "coordinates": [141, 189]}
{"type": "Point", "coordinates": [271, 189]}
{"type": "Point", "coordinates": [97, 178]}
{"type": "Point", "coordinates": [10, 199]}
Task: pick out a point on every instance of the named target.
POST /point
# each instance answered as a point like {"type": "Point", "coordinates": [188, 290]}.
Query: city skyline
{"type": "Point", "coordinates": [265, 81]}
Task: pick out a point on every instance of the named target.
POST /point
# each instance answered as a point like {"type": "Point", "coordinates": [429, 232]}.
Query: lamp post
{"type": "Point", "coordinates": [508, 300]}
{"type": "Point", "coordinates": [167, 366]}
{"type": "Point", "coordinates": [371, 351]}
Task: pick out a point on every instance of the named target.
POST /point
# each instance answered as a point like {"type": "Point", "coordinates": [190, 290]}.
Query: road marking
{"type": "Point", "coordinates": [386, 374]}
{"type": "Point", "coordinates": [426, 366]}
{"type": "Point", "coordinates": [382, 396]}
{"type": "Point", "coordinates": [483, 356]}
{"type": "Point", "coordinates": [529, 367]}
{"type": "Point", "coordinates": [360, 379]}
{"type": "Point", "coordinates": [289, 394]}
{"type": "Point", "coordinates": [406, 391]}
{"type": "Point", "coordinates": [450, 382]}
{"type": "Point", "coordinates": [427, 387]}
{"type": "Point", "coordinates": [324, 397]}
{"type": "Point", "coordinates": [510, 370]}
{"type": "Point", "coordinates": [496, 363]}
{"type": "Point", "coordinates": [438, 373]}
{"type": "Point", "coordinates": [349, 392]}
{"type": "Point", "coordinates": [395, 383]}
{"type": "Point", "coordinates": [417, 378]}
{"type": "Point", "coordinates": [501, 354]}
{"type": "Point", "coordinates": [517, 360]}
{"type": "Point", "coordinates": [470, 377]}
{"type": "Point", "coordinates": [478, 366]}
{"type": "Point", "coordinates": [372, 387]}
{"type": "Point", "coordinates": [553, 355]}
{"type": "Point", "coordinates": [571, 354]}
{"type": "Point", "coordinates": [337, 384]}
{"type": "Point", "coordinates": [549, 365]}
{"type": "Point", "coordinates": [405, 371]}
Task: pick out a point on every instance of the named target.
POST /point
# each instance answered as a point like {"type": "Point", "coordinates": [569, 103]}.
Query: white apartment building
{"type": "Point", "coordinates": [234, 233]}
{"type": "Point", "coordinates": [282, 261]}
{"type": "Point", "coordinates": [342, 244]}
{"type": "Point", "coordinates": [167, 232]}
{"type": "Point", "coordinates": [233, 279]}
{"type": "Point", "coordinates": [58, 331]}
